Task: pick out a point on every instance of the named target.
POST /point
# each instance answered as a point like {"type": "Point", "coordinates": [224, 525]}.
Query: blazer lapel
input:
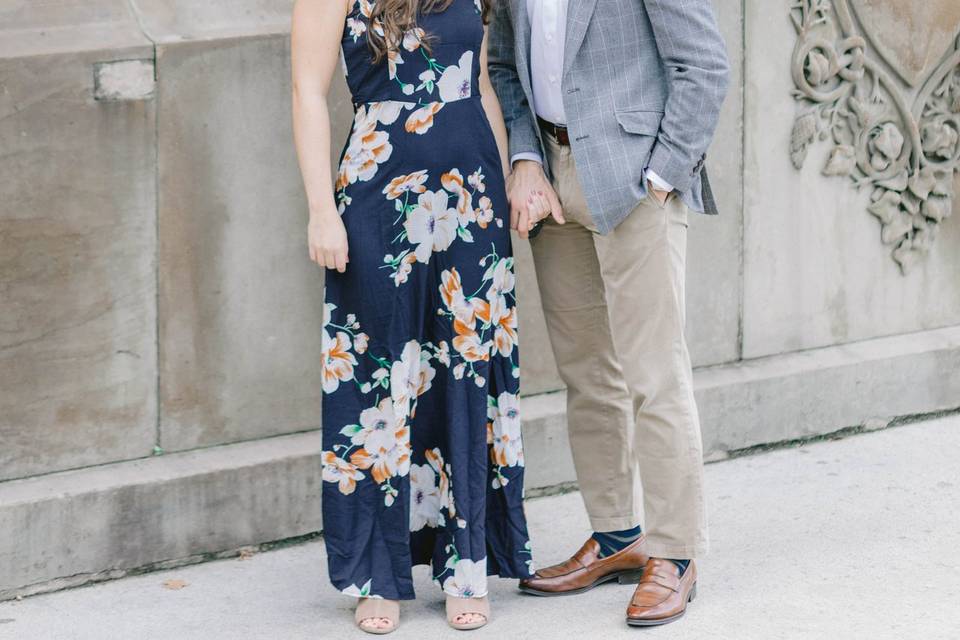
{"type": "Point", "coordinates": [579, 13]}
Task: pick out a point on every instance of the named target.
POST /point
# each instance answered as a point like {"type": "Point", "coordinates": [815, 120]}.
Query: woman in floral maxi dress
{"type": "Point", "coordinates": [422, 454]}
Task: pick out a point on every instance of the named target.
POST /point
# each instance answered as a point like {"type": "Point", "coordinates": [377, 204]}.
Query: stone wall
{"type": "Point", "coordinates": [156, 297]}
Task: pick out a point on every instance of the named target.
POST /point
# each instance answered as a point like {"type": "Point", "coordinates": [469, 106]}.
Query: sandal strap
{"type": "Point", "coordinates": [369, 608]}
{"type": "Point", "coordinates": [460, 606]}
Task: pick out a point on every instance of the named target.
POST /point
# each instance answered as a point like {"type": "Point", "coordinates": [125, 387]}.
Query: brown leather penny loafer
{"type": "Point", "coordinates": [586, 569]}
{"type": "Point", "coordinates": [662, 594]}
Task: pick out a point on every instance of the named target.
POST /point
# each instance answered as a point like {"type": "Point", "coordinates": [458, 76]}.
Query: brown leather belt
{"type": "Point", "coordinates": [555, 130]}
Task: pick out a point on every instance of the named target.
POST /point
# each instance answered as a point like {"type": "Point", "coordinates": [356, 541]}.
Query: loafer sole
{"type": "Point", "coordinates": [630, 576]}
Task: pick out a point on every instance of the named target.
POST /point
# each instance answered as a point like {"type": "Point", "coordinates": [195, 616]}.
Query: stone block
{"type": "Point", "coordinates": [77, 258]}
{"type": "Point", "coordinates": [29, 28]}
{"type": "Point", "coordinates": [240, 302]}
{"type": "Point", "coordinates": [100, 522]}
{"type": "Point", "coordinates": [166, 21]}
{"type": "Point", "coordinates": [714, 245]}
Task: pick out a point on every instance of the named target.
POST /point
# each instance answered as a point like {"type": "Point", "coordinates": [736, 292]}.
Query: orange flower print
{"type": "Point", "coordinates": [505, 336]}
{"type": "Point", "coordinates": [421, 120]}
{"type": "Point", "coordinates": [435, 459]}
{"type": "Point", "coordinates": [340, 471]}
{"type": "Point", "coordinates": [338, 362]}
{"type": "Point", "coordinates": [481, 310]}
{"type": "Point", "coordinates": [467, 342]}
{"type": "Point", "coordinates": [412, 183]}
{"type": "Point", "coordinates": [451, 291]}
{"type": "Point", "coordinates": [453, 182]}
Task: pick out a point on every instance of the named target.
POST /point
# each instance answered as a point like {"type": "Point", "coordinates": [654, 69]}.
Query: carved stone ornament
{"type": "Point", "coordinates": [880, 81]}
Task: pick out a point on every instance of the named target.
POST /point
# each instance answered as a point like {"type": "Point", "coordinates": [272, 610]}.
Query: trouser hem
{"type": "Point", "coordinates": [657, 549]}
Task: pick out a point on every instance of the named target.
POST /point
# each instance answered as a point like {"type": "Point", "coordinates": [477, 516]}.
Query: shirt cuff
{"type": "Point", "coordinates": [657, 181]}
{"type": "Point", "coordinates": [526, 155]}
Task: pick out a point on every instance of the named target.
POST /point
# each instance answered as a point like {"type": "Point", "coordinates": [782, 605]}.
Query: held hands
{"type": "Point", "coordinates": [531, 197]}
{"type": "Point", "coordinates": [327, 240]}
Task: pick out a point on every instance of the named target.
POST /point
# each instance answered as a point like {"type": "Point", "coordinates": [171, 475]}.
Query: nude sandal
{"type": "Point", "coordinates": [369, 608]}
{"type": "Point", "coordinates": [459, 606]}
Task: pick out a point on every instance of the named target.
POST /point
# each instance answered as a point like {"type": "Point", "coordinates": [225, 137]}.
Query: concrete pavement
{"type": "Point", "coordinates": [849, 539]}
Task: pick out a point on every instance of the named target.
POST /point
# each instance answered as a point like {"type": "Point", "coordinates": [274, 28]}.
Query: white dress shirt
{"type": "Point", "coordinates": [548, 31]}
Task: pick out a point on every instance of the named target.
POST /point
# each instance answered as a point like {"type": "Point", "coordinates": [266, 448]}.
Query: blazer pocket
{"type": "Point", "coordinates": [645, 123]}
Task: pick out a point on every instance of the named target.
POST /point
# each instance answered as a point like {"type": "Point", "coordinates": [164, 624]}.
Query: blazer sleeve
{"type": "Point", "coordinates": [502, 65]}
{"type": "Point", "coordinates": [695, 59]}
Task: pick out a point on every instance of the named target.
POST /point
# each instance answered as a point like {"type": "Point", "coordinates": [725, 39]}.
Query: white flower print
{"type": "Point", "coordinates": [469, 579]}
{"type": "Point", "coordinates": [360, 592]}
{"type": "Point", "coordinates": [443, 353]}
{"type": "Point", "coordinates": [424, 497]}
{"type": "Point", "coordinates": [405, 378]}
{"type": "Point", "coordinates": [475, 180]}
{"type": "Point", "coordinates": [384, 440]}
{"type": "Point", "coordinates": [484, 212]}
{"type": "Point", "coordinates": [379, 426]}
{"type": "Point", "coordinates": [431, 226]}
{"type": "Point", "coordinates": [454, 83]}
{"type": "Point", "coordinates": [368, 148]}
{"type": "Point", "coordinates": [506, 434]}
{"type": "Point", "coordinates": [360, 342]}
{"type": "Point", "coordinates": [503, 279]}
{"type": "Point", "coordinates": [357, 28]}
{"type": "Point", "coordinates": [413, 38]}
{"type": "Point", "coordinates": [404, 268]}
{"type": "Point", "coordinates": [393, 59]}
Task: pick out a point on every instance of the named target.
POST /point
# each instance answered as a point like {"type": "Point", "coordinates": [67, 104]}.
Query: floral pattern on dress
{"type": "Point", "coordinates": [431, 221]}
{"type": "Point", "coordinates": [419, 334]}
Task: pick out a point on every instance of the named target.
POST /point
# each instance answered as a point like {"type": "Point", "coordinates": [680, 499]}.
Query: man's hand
{"type": "Point", "coordinates": [527, 185]}
{"type": "Point", "coordinates": [659, 194]}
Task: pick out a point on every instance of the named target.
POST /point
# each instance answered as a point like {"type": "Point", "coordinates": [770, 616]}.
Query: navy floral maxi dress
{"type": "Point", "coordinates": [422, 455]}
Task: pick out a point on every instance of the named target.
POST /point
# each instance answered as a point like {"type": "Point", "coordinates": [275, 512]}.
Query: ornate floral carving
{"type": "Point", "coordinates": [903, 144]}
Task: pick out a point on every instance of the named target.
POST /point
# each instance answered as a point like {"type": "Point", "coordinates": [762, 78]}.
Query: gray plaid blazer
{"type": "Point", "coordinates": [643, 82]}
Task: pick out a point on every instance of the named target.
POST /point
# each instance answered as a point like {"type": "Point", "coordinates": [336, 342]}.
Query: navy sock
{"type": "Point", "coordinates": [681, 564]}
{"type": "Point", "coordinates": [612, 542]}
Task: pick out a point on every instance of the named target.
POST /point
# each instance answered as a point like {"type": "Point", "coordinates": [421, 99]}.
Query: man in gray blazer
{"type": "Point", "coordinates": [610, 107]}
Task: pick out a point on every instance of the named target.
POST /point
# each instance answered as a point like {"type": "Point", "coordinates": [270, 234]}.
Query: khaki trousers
{"type": "Point", "coordinates": [614, 307]}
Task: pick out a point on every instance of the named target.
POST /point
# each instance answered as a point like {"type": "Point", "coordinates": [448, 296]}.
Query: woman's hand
{"type": "Point", "coordinates": [327, 240]}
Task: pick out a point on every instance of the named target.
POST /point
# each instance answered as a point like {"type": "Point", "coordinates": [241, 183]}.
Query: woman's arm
{"type": "Point", "coordinates": [491, 105]}
{"type": "Point", "coordinates": [315, 48]}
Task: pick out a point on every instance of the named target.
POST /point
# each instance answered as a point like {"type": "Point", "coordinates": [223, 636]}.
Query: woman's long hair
{"type": "Point", "coordinates": [397, 17]}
